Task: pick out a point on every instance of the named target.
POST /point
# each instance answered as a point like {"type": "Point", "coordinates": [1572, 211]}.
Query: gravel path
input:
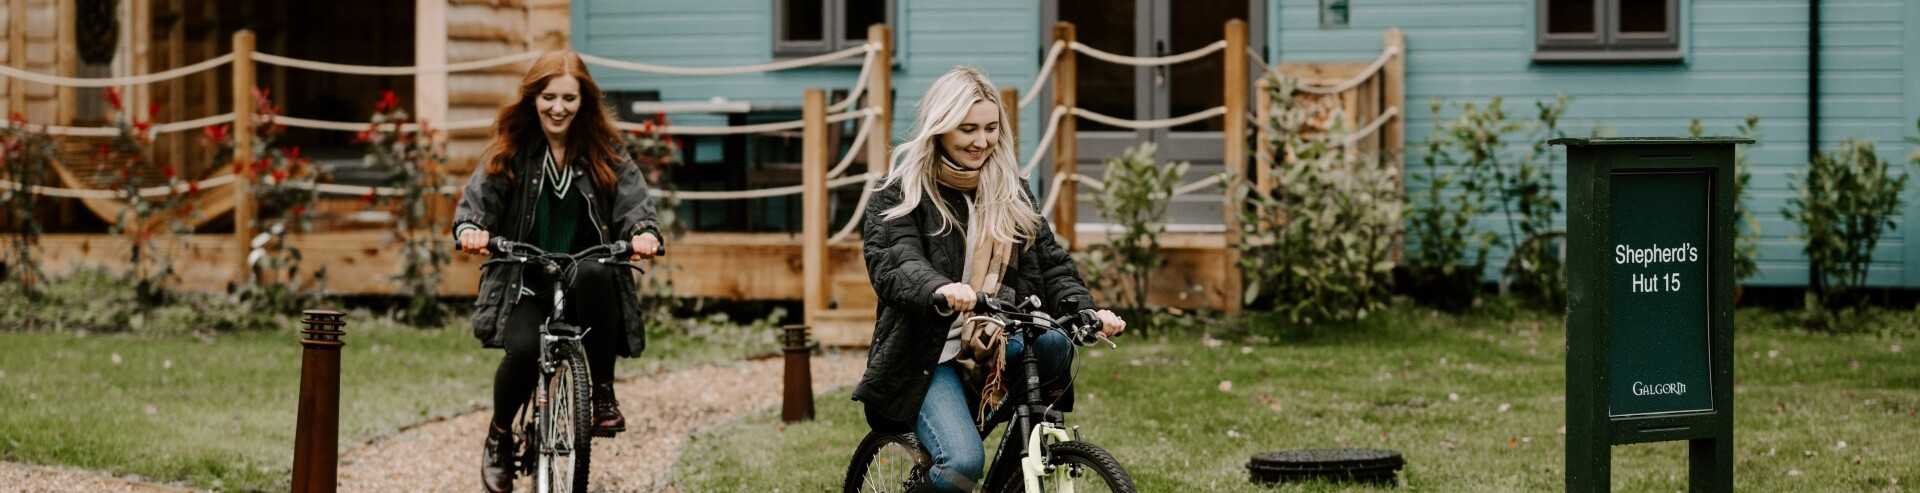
{"type": "Point", "coordinates": [662, 412]}
{"type": "Point", "coordinates": [15, 476]}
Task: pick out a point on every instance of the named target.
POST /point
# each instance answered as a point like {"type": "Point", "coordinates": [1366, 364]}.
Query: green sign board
{"type": "Point", "coordinates": [1650, 233]}
{"type": "Point", "coordinates": [1659, 292]}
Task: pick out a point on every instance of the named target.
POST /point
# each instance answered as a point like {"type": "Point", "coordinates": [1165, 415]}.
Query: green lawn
{"type": "Point", "coordinates": [1474, 403]}
{"type": "Point", "coordinates": [218, 409]}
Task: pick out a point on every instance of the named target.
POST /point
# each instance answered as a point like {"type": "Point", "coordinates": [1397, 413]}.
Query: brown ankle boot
{"type": "Point", "coordinates": [496, 461]}
{"type": "Point", "coordinates": [607, 420]}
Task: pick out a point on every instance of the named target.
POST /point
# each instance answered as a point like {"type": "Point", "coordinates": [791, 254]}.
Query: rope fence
{"type": "Point", "coordinates": [341, 68]}
{"type": "Point", "coordinates": [744, 69]}
{"type": "Point", "coordinates": [1150, 61]}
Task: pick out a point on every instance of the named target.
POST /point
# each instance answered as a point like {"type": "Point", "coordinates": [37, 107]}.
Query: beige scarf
{"type": "Point", "coordinates": [983, 346]}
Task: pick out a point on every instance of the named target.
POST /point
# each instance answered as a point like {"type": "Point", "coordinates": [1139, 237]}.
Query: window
{"type": "Point", "coordinates": [811, 27]}
{"type": "Point", "coordinates": [1607, 30]}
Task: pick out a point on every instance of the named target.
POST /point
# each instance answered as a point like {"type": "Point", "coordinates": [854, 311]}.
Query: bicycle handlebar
{"type": "Point", "coordinates": [610, 250]}
{"type": "Point", "coordinates": [1082, 327]}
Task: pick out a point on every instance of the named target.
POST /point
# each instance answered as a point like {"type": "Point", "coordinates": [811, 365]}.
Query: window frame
{"type": "Point", "coordinates": [836, 35]}
{"type": "Point", "coordinates": [1606, 43]}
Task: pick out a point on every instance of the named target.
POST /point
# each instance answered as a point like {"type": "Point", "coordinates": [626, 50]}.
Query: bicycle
{"type": "Point", "coordinates": [552, 431]}
{"type": "Point", "coordinates": [1052, 458]}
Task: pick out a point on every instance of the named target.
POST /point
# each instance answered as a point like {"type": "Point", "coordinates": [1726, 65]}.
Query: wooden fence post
{"type": "Point", "coordinates": [1064, 141]}
{"type": "Point", "coordinates": [1235, 156]}
{"type": "Point", "coordinates": [813, 209]}
{"type": "Point", "coordinates": [1010, 104]}
{"type": "Point", "coordinates": [1263, 137]}
{"type": "Point", "coordinates": [17, 55]}
{"type": "Point", "coordinates": [243, 83]}
{"type": "Point", "coordinates": [1393, 140]}
{"type": "Point", "coordinates": [880, 95]}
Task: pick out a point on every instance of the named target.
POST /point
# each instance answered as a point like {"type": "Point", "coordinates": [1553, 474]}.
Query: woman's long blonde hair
{"type": "Point", "coordinates": [1004, 211]}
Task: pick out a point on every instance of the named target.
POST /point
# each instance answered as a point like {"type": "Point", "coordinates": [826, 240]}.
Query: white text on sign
{"type": "Point", "coordinates": [1657, 282]}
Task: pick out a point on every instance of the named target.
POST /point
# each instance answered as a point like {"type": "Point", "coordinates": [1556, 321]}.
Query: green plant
{"type": "Point", "coordinates": [1843, 202]}
{"type": "Point", "coordinates": [149, 266]}
{"type": "Point", "coordinates": [24, 155]}
{"type": "Point", "coordinates": [1135, 196]}
{"type": "Point", "coordinates": [1533, 196]}
{"type": "Point", "coordinates": [1746, 246]}
{"type": "Point", "coordinates": [282, 186]}
{"type": "Point", "coordinates": [1448, 253]}
{"type": "Point", "coordinates": [657, 153]}
{"type": "Point", "coordinates": [415, 160]}
{"type": "Point", "coordinates": [1320, 245]}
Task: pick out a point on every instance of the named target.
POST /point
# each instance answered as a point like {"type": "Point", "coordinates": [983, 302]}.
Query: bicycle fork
{"type": "Point", "coordinates": [1035, 464]}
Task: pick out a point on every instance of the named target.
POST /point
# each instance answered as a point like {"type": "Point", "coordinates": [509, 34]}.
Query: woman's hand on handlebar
{"type": "Point", "coordinates": [645, 246]}
{"type": "Point", "coordinates": [960, 296]}
{"type": "Point", "coordinates": [474, 241]}
{"type": "Point", "coordinates": [1110, 325]}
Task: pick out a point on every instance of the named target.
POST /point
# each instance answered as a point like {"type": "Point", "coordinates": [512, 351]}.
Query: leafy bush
{"type": "Point", "coordinates": [282, 186]}
{"type": "Point", "coordinates": [657, 153]}
{"type": "Point", "coordinates": [415, 160]}
{"type": "Point", "coordinates": [1321, 244]}
{"type": "Point", "coordinates": [24, 155]}
{"type": "Point", "coordinates": [149, 266]}
{"type": "Point", "coordinates": [1135, 196]}
{"type": "Point", "coordinates": [1484, 176]}
{"type": "Point", "coordinates": [1843, 202]}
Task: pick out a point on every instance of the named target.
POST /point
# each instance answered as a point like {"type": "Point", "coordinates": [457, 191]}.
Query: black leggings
{"type": "Point", "coordinates": [590, 303]}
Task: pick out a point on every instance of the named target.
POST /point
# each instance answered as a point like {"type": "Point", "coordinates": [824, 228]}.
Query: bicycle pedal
{"type": "Point", "coordinates": [608, 432]}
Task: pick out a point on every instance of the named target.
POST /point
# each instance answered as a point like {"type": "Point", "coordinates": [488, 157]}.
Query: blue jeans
{"type": "Point", "coordinates": [945, 426]}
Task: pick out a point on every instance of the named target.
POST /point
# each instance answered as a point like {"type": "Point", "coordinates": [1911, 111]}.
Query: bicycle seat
{"type": "Point", "coordinates": [564, 329]}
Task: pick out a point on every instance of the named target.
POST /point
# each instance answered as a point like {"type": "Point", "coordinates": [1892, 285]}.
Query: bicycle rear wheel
{"type": "Point", "coordinates": [1086, 469]}
{"type": "Point", "coordinates": [886, 463]}
{"type": "Point", "coordinates": [565, 451]}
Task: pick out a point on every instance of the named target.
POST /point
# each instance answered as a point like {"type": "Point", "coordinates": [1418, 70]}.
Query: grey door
{"type": "Point", "coordinates": [1148, 28]}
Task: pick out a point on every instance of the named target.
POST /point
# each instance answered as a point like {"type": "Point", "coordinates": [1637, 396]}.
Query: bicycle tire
{"type": "Point", "coordinates": [1080, 463]}
{"type": "Point", "coordinates": [568, 417]}
{"type": "Point", "coordinates": [875, 467]}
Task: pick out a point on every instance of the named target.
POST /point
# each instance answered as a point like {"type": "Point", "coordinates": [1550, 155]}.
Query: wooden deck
{"type": "Point", "coordinates": [734, 266]}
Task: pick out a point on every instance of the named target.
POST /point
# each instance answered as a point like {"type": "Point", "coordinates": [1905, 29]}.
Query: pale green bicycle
{"type": "Point", "coordinates": [1039, 452]}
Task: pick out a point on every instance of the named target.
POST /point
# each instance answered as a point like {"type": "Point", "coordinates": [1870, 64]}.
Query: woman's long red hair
{"type": "Point", "coordinates": [591, 136]}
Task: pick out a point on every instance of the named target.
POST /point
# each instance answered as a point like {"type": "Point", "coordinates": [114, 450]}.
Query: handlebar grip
{"type": "Point", "coordinates": [660, 251]}
{"type": "Point", "coordinates": [499, 244]}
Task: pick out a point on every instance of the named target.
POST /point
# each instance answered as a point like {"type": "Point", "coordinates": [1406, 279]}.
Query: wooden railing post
{"type": "Point", "coordinates": [243, 109]}
{"type": "Point", "coordinates": [1393, 141]}
{"type": "Point", "coordinates": [1235, 156]}
{"type": "Point", "coordinates": [16, 55]}
{"type": "Point", "coordinates": [1263, 137]}
{"type": "Point", "coordinates": [1065, 160]}
{"type": "Point", "coordinates": [880, 95]}
{"type": "Point", "coordinates": [1010, 104]}
{"type": "Point", "coordinates": [813, 208]}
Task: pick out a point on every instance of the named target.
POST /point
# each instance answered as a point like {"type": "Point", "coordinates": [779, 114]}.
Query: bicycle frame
{"type": "Point", "coordinates": [1034, 437]}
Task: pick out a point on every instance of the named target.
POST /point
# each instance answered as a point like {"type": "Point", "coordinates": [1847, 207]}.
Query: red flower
{"type": "Point", "coordinates": [142, 126]}
{"type": "Point", "coordinates": [216, 135]}
{"type": "Point", "coordinates": [152, 109]}
{"type": "Point", "coordinates": [279, 175]}
{"type": "Point", "coordinates": [293, 152]}
{"type": "Point", "coordinates": [193, 187]}
{"type": "Point", "coordinates": [112, 96]}
{"type": "Point", "coordinates": [298, 210]}
{"type": "Point", "coordinates": [167, 171]}
{"type": "Point", "coordinates": [369, 197]}
{"type": "Point", "coordinates": [18, 117]}
{"type": "Point", "coordinates": [388, 102]}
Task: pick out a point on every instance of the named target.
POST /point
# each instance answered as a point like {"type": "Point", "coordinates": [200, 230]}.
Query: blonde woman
{"type": "Point", "coordinates": [951, 222]}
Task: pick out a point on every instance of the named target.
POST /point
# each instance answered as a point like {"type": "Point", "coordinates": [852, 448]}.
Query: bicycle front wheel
{"type": "Point", "coordinates": [1080, 467]}
{"type": "Point", "coordinates": [886, 463]}
{"type": "Point", "coordinates": [566, 445]}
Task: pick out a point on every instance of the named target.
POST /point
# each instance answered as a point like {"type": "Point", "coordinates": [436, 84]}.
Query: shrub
{"type": "Point", "coordinates": [1135, 195]}
{"type": "Point", "coordinates": [1321, 244]}
{"type": "Point", "coordinates": [24, 155]}
{"type": "Point", "coordinates": [1843, 202]}
{"type": "Point", "coordinates": [415, 161]}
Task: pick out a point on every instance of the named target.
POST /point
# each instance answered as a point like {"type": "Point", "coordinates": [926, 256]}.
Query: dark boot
{"type": "Point", "coordinates": [607, 420]}
{"type": "Point", "coordinates": [496, 461]}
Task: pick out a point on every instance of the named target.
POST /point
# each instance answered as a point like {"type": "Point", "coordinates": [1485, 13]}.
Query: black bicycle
{"type": "Point", "coordinates": [552, 432]}
{"type": "Point", "coordinates": [1039, 453]}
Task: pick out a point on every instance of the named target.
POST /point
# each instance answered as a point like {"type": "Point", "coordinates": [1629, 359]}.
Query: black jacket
{"type": "Point", "coordinates": [906, 263]}
{"type": "Point", "coordinates": [504, 208]}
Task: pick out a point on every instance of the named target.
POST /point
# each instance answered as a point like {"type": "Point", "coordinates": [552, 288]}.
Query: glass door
{"type": "Point", "coordinates": [1148, 28]}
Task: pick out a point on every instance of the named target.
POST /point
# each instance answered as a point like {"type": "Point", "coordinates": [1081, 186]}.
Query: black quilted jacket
{"type": "Point", "coordinates": [906, 263]}
{"type": "Point", "coordinates": [504, 208]}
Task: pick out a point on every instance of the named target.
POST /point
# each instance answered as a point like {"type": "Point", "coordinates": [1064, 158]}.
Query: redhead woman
{"type": "Point", "coordinates": [954, 221]}
{"type": "Point", "coordinates": [554, 176]}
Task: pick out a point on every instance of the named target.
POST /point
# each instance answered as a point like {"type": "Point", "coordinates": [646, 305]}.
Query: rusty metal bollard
{"type": "Point", "coordinates": [316, 441]}
{"type": "Point", "coordinates": [798, 404]}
